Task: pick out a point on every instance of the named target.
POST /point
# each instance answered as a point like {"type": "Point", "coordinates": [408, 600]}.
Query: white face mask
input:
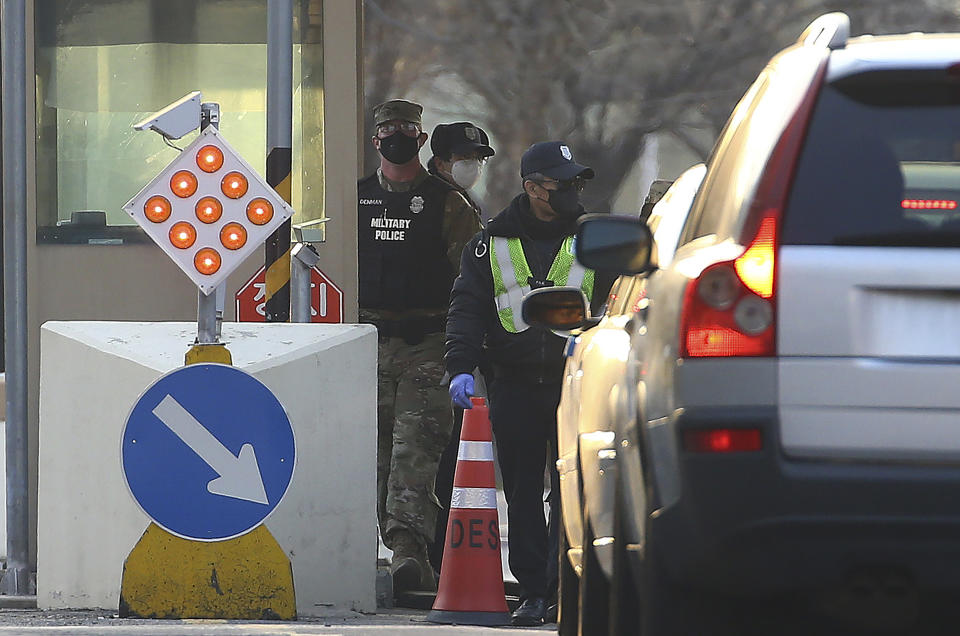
{"type": "Point", "coordinates": [466, 172]}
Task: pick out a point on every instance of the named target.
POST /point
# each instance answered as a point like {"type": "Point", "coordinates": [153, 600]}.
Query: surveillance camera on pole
{"type": "Point", "coordinates": [177, 119]}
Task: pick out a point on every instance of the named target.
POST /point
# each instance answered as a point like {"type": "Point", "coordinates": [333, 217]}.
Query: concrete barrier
{"type": "Point", "coordinates": [92, 373]}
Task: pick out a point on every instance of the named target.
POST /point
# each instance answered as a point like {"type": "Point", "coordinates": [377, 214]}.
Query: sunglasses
{"type": "Point", "coordinates": [406, 127]}
{"type": "Point", "coordinates": [566, 184]}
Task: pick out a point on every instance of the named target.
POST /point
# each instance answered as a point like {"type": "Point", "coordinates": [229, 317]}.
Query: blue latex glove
{"type": "Point", "coordinates": [461, 388]}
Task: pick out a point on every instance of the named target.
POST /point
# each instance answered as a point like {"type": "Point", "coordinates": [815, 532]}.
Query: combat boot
{"type": "Point", "coordinates": [410, 568]}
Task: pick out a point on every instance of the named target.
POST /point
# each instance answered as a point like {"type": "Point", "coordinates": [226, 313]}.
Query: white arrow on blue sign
{"type": "Point", "coordinates": [208, 452]}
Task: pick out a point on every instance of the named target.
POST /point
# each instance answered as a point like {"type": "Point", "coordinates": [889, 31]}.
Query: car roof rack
{"type": "Point", "coordinates": [831, 30]}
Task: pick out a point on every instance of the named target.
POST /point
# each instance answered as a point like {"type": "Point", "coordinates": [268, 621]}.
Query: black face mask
{"type": "Point", "coordinates": [566, 202]}
{"type": "Point", "coordinates": [399, 148]}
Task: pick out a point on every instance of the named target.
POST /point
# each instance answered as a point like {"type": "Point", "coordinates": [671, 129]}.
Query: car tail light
{"type": "Point", "coordinates": [928, 204]}
{"type": "Point", "coordinates": [755, 265]}
{"type": "Point", "coordinates": [729, 309]}
{"type": "Point", "coordinates": [718, 287]}
{"type": "Point", "coordinates": [723, 440]}
{"type": "Point", "coordinates": [741, 326]}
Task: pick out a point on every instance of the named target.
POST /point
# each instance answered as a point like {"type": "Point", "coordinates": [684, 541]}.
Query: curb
{"type": "Point", "coordinates": [18, 602]}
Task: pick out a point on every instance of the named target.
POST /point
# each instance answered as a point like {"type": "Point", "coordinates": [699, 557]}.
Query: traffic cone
{"type": "Point", "coordinates": [471, 577]}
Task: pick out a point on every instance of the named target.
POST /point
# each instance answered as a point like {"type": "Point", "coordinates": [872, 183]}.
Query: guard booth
{"type": "Point", "coordinates": [102, 65]}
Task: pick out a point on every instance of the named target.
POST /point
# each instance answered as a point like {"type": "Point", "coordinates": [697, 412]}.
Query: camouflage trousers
{"type": "Point", "coordinates": [414, 421]}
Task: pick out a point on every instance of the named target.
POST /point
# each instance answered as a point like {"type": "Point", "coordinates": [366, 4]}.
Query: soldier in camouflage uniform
{"type": "Point", "coordinates": [412, 227]}
{"type": "Point", "coordinates": [413, 408]}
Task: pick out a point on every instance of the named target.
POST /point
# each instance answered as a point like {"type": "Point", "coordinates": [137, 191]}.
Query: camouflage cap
{"type": "Point", "coordinates": [399, 109]}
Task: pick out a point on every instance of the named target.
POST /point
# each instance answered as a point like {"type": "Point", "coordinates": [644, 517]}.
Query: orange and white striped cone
{"type": "Point", "coordinates": [471, 577]}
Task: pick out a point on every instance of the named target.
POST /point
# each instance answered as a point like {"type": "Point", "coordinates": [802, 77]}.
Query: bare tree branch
{"type": "Point", "coordinates": [601, 74]}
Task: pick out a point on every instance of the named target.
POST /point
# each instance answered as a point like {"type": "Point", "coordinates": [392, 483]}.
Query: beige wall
{"type": "Point", "coordinates": [138, 282]}
{"type": "Point", "coordinates": [342, 88]}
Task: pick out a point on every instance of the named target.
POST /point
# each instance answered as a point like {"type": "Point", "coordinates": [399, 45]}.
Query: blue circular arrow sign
{"type": "Point", "coordinates": [208, 452]}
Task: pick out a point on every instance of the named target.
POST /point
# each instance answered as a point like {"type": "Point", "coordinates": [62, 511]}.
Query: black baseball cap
{"type": "Point", "coordinates": [552, 159]}
{"type": "Point", "coordinates": [461, 138]}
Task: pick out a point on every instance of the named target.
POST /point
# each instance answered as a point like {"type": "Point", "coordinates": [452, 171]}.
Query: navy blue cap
{"type": "Point", "coordinates": [552, 159]}
{"type": "Point", "coordinates": [460, 138]}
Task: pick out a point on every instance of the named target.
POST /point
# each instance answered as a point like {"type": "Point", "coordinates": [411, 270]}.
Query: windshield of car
{"type": "Point", "coordinates": [881, 163]}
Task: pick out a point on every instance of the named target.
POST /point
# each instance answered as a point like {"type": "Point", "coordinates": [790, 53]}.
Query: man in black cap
{"type": "Point", "coordinates": [412, 228]}
{"type": "Point", "coordinates": [527, 246]}
{"type": "Point", "coordinates": [460, 150]}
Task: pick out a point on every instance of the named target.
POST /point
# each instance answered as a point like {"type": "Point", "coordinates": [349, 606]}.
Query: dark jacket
{"type": "Point", "coordinates": [473, 328]}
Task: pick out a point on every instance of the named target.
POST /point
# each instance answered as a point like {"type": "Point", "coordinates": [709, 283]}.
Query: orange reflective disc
{"type": "Point", "coordinates": [183, 235]}
{"type": "Point", "coordinates": [210, 158]}
{"type": "Point", "coordinates": [233, 236]}
{"type": "Point", "coordinates": [234, 185]}
{"type": "Point", "coordinates": [209, 210]}
{"type": "Point", "coordinates": [183, 183]}
{"type": "Point", "coordinates": [259, 211]}
{"type": "Point", "coordinates": [157, 209]}
{"type": "Point", "coordinates": [207, 261]}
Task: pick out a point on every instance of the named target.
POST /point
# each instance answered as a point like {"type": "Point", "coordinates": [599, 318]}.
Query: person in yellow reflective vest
{"type": "Point", "coordinates": [527, 246]}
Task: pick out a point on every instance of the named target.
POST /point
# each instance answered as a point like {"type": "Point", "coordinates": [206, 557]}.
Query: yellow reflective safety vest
{"type": "Point", "coordinates": [511, 275]}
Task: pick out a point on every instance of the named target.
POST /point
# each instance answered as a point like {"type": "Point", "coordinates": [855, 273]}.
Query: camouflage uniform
{"type": "Point", "coordinates": [413, 410]}
{"type": "Point", "coordinates": [414, 415]}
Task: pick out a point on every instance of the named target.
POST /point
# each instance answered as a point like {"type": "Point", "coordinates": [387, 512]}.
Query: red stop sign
{"type": "Point", "coordinates": [326, 299]}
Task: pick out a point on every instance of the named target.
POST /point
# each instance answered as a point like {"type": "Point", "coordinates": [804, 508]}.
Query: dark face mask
{"type": "Point", "coordinates": [566, 202]}
{"type": "Point", "coordinates": [399, 148]}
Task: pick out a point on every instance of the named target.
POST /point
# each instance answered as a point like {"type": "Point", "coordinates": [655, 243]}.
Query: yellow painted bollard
{"type": "Point", "coordinates": [248, 578]}
{"type": "Point", "coordinates": [206, 576]}
{"type": "Point", "coordinates": [216, 353]}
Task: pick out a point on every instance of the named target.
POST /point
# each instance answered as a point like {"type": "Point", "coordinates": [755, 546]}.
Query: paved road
{"type": "Point", "coordinates": [92, 623]}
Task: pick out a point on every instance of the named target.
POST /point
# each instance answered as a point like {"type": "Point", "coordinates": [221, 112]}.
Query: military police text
{"type": "Point", "coordinates": [393, 229]}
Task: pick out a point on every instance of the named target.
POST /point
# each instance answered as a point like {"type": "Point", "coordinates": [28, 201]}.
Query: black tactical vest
{"type": "Point", "coordinates": [402, 256]}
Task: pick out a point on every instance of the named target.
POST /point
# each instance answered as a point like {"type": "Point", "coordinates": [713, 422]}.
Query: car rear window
{"type": "Point", "coordinates": [881, 163]}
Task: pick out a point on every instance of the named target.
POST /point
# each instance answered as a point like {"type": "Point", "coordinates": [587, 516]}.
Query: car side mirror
{"type": "Point", "coordinates": [615, 244]}
{"type": "Point", "coordinates": [559, 308]}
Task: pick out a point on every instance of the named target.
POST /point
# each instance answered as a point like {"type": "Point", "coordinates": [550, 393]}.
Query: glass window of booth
{"type": "Point", "coordinates": [103, 65]}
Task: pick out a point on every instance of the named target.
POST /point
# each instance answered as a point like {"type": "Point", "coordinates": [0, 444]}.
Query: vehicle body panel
{"type": "Point", "coordinates": [595, 398]}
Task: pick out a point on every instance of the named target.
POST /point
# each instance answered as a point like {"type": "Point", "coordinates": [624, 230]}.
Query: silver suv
{"type": "Point", "coordinates": [795, 374]}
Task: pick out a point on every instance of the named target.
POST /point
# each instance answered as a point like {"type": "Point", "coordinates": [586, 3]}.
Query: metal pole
{"type": "Point", "coordinates": [279, 153]}
{"type": "Point", "coordinates": [206, 318]}
{"type": "Point", "coordinates": [208, 325]}
{"type": "Point", "coordinates": [300, 292]}
{"type": "Point", "coordinates": [304, 257]}
{"type": "Point", "coordinates": [14, 28]}
{"type": "Point", "coordinates": [221, 300]}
